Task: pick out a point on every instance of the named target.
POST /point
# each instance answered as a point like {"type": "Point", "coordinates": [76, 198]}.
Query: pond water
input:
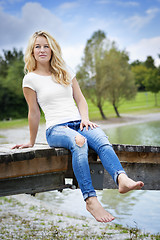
{"type": "Point", "coordinates": [136, 134]}
{"type": "Point", "coordinates": [139, 209]}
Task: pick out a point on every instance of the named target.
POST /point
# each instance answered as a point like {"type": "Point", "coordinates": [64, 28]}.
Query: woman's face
{"type": "Point", "coordinates": [42, 51]}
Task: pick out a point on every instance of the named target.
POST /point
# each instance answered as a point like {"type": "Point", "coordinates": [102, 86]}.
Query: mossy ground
{"type": "Point", "coordinates": [25, 217]}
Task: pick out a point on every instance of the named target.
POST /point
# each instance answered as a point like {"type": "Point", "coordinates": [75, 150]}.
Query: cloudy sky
{"type": "Point", "coordinates": [133, 24]}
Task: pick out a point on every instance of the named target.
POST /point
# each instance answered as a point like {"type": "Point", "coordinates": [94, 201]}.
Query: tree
{"type": "Point", "coordinates": [105, 73]}
{"type": "Point", "coordinates": [149, 63]}
{"type": "Point", "coordinates": [152, 82]}
{"type": "Point", "coordinates": [12, 103]}
{"type": "Point", "coordinates": [90, 72]}
{"type": "Point", "coordinates": [147, 75]}
{"type": "Point", "coordinates": [121, 80]}
{"type": "Point", "coordinates": [140, 71]}
{"type": "Point", "coordinates": [158, 68]}
{"type": "Point", "coordinates": [8, 58]}
{"type": "Point", "coordinates": [15, 74]}
{"type": "Point", "coordinates": [136, 63]}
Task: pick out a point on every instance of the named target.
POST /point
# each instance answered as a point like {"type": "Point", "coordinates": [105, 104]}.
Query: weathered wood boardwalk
{"type": "Point", "coordinates": [42, 168]}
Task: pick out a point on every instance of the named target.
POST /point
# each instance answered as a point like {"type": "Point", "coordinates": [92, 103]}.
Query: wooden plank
{"type": "Point", "coordinates": [33, 166]}
{"type": "Point", "coordinates": [136, 148]}
{"type": "Point", "coordinates": [39, 150]}
{"type": "Point", "coordinates": [23, 167]}
{"type": "Point", "coordinates": [139, 157]}
{"type": "Point", "coordinates": [144, 153]}
{"type": "Point", "coordinates": [148, 173]}
{"type": "Point", "coordinates": [32, 184]}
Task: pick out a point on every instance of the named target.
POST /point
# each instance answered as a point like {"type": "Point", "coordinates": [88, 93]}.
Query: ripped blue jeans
{"type": "Point", "coordinates": [64, 135]}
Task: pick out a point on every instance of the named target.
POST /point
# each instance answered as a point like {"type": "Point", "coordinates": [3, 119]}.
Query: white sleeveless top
{"type": "Point", "coordinates": [55, 99]}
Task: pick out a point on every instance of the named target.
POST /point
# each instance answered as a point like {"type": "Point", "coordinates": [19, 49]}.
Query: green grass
{"type": "Point", "coordinates": [142, 104]}
{"type": "Point", "coordinates": [13, 123]}
{"type": "Point", "coordinates": [16, 123]}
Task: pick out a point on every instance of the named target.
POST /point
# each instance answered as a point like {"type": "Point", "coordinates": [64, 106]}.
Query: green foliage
{"type": "Point", "coordinates": [120, 78]}
{"type": "Point", "coordinates": [140, 71]}
{"type": "Point", "coordinates": [15, 74]}
{"type": "Point", "coordinates": [149, 63]}
{"type": "Point", "coordinates": [147, 76]}
{"type": "Point", "coordinates": [105, 73]}
{"type": "Point", "coordinates": [136, 63]}
{"type": "Point", "coordinates": [90, 74]}
{"type": "Point", "coordinates": [152, 82]}
{"type": "Point", "coordinates": [12, 102]}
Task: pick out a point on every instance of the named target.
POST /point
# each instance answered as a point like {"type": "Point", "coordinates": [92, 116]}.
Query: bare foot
{"type": "Point", "coordinates": [126, 184]}
{"type": "Point", "coordinates": [97, 211]}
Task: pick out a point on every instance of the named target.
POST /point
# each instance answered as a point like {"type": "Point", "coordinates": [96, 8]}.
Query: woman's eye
{"type": "Point", "coordinates": [37, 46]}
{"type": "Point", "coordinates": [46, 46]}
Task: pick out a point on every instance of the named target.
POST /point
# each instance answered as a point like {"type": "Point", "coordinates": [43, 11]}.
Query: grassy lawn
{"type": "Point", "coordinates": [16, 123]}
{"type": "Point", "coordinates": [142, 104]}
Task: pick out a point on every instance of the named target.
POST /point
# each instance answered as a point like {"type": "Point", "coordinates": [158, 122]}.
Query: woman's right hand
{"type": "Point", "coordinates": [20, 146]}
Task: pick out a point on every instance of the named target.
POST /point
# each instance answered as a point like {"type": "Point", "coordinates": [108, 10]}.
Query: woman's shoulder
{"type": "Point", "coordinates": [29, 75]}
{"type": "Point", "coordinates": [28, 80]}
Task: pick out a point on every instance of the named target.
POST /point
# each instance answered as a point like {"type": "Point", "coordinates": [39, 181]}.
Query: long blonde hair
{"type": "Point", "coordinates": [57, 64]}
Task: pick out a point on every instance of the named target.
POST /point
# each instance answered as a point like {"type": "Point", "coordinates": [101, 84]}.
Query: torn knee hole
{"type": "Point", "coordinates": [80, 140]}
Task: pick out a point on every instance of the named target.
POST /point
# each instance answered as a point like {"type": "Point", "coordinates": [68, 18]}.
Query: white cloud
{"type": "Point", "coordinates": [104, 2]}
{"type": "Point", "coordinates": [69, 5]}
{"type": "Point", "coordinates": [145, 47]}
{"type": "Point", "coordinates": [14, 1]}
{"type": "Point", "coordinates": [137, 22]}
{"type": "Point", "coordinates": [9, 28]}
{"type": "Point", "coordinates": [34, 16]}
{"type": "Point", "coordinates": [122, 3]}
{"type": "Point", "coordinates": [127, 3]}
{"type": "Point", "coordinates": [15, 31]}
{"type": "Point", "coordinates": [73, 54]}
{"type": "Point", "coordinates": [4, 3]}
{"type": "Point", "coordinates": [152, 11]}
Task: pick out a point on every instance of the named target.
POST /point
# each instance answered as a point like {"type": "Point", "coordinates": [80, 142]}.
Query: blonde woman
{"type": "Point", "coordinates": [50, 84]}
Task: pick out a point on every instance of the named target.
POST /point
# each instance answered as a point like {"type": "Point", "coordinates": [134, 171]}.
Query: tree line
{"type": "Point", "coordinates": [104, 74]}
{"type": "Point", "coordinates": [12, 102]}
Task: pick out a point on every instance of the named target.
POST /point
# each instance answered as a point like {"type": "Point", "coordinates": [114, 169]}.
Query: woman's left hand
{"type": "Point", "coordinates": [86, 123]}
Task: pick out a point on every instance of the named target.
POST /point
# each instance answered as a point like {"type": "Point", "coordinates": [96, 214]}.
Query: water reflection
{"type": "Point", "coordinates": [119, 202]}
{"type": "Point", "coordinates": [139, 208]}
{"type": "Point", "coordinates": [136, 134]}
{"type": "Point", "coordinates": [135, 209]}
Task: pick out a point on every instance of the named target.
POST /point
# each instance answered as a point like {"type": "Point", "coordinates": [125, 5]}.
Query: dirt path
{"type": "Point", "coordinates": [21, 135]}
{"type": "Point", "coordinates": [128, 119]}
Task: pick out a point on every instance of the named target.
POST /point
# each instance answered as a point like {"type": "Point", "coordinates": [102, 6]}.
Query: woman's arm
{"type": "Point", "coordinates": [82, 106]}
{"type": "Point", "coordinates": [33, 116]}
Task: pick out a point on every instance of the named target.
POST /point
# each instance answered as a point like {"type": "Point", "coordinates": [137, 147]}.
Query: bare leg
{"type": "Point", "coordinates": [97, 211]}
{"type": "Point", "coordinates": [126, 184]}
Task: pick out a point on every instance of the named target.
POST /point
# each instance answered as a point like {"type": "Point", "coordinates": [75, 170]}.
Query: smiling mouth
{"type": "Point", "coordinates": [42, 55]}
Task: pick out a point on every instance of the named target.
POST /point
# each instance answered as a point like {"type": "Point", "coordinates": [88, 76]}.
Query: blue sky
{"type": "Point", "coordinates": [133, 24]}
